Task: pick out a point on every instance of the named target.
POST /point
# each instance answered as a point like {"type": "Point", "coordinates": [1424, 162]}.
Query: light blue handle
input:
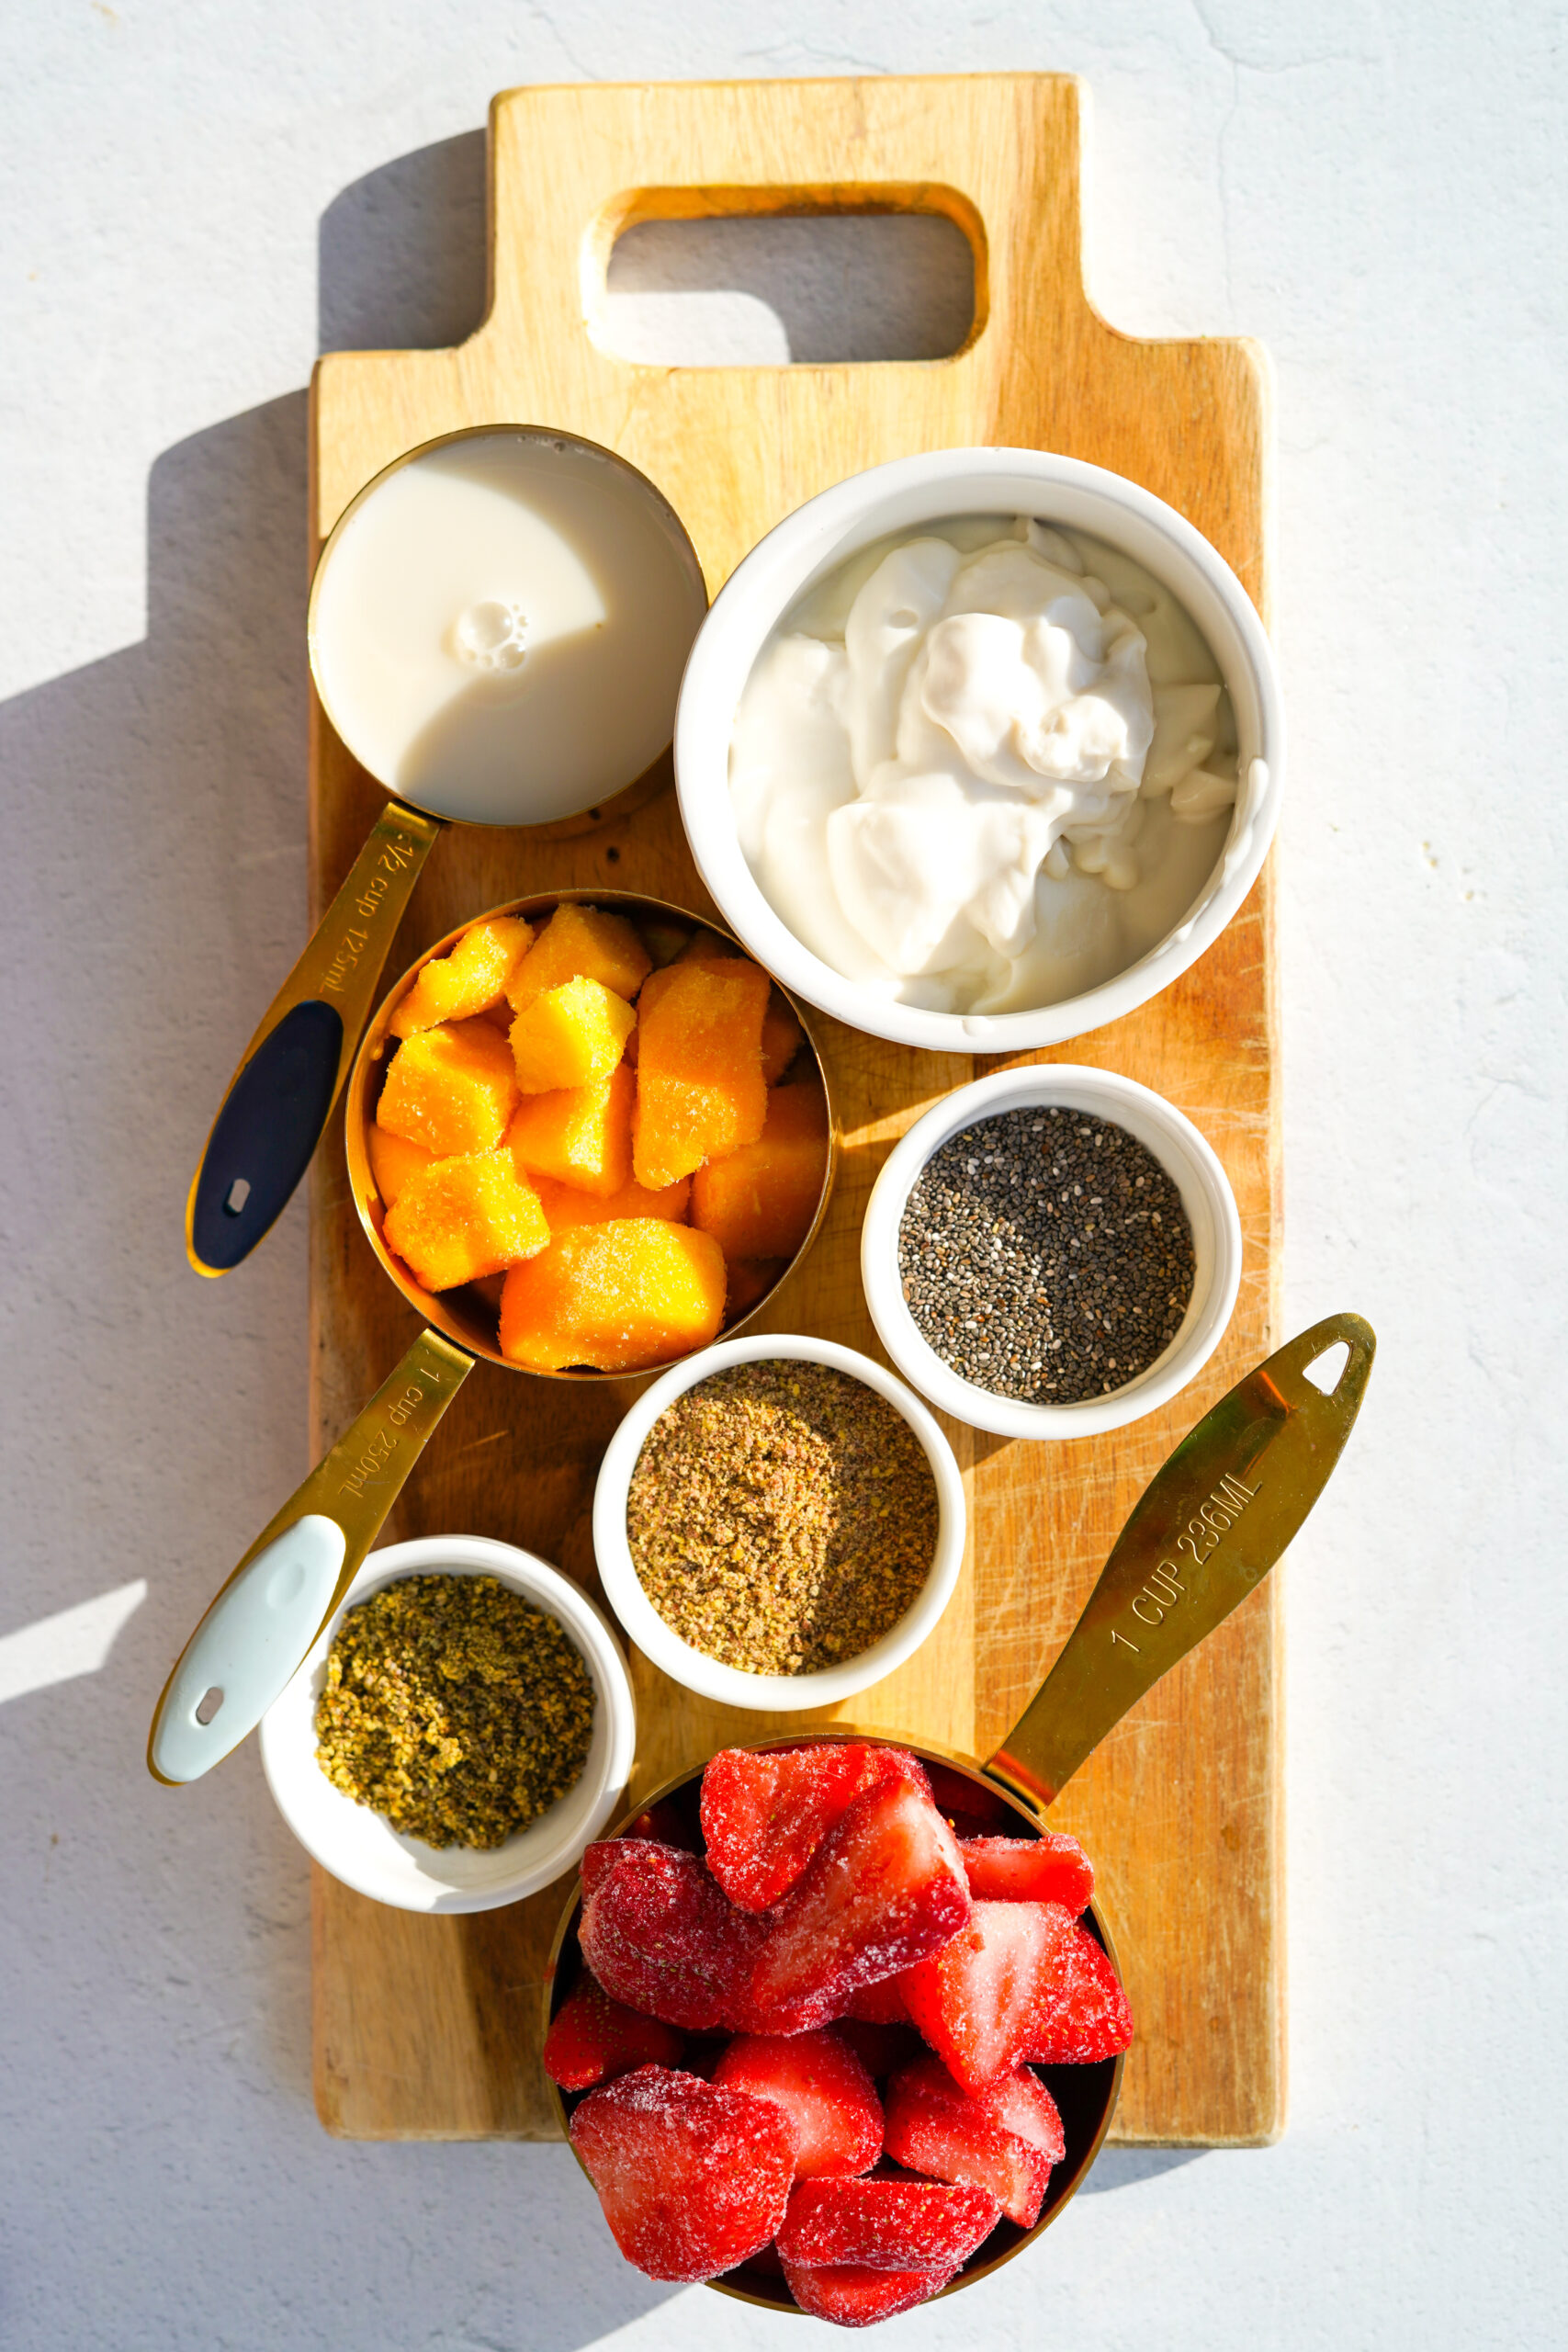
{"type": "Point", "coordinates": [246, 1648]}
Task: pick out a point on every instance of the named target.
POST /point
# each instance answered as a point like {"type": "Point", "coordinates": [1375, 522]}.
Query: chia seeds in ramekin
{"type": "Point", "coordinates": [1046, 1255]}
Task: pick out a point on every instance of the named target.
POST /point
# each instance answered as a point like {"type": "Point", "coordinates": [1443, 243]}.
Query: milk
{"type": "Point", "coordinates": [498, 630]}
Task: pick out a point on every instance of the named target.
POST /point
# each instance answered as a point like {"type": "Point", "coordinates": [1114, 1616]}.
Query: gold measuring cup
{"type": "Point", "coordinates": [266, 1618]}
{"type": "Point", "coordinates": [290, 1074]}
{"type": "Point", "coordinates": [1210, 1525]}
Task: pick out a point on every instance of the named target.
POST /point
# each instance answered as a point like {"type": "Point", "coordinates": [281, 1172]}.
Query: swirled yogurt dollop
{"type": "Point", "coordinates": [984, 768]}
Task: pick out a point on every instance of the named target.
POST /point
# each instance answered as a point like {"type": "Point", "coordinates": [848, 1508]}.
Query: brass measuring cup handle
{"type": "Point", "coordinates": [268, 1616]}
{"type": "Point", "coordinates": [1206, 1530]}
{"type": "Point", "coordinates": [292, 1072]}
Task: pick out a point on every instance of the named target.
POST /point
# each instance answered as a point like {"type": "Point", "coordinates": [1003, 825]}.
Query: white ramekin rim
{"type": "Point", "coordinates": [903, 494]}
{"type": "Point", "coordinates": [1188, 1159]}
{"type": "Point", "coordinates": [771, 1693]}
{"type": "Point", "coordinates": [360, 1847]}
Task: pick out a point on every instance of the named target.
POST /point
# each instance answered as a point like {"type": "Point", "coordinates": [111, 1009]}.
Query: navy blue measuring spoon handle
{"type": "Point", "coordinates": [293, 1069]}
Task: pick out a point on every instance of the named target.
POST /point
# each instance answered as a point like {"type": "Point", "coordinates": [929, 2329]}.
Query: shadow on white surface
{"type": "Point", "coordinates": [73, 1642]}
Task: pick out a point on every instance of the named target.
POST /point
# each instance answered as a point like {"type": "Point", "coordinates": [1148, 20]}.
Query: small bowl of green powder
{"type": "Point", "coordinates": [1051, 1253]}
{"type": "Point", "coordinates": [462, 1728]}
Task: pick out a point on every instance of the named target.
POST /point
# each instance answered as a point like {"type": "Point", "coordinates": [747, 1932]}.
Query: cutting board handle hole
{"type": "Point", "coordinates": [776, 278]}
{"type": "Point", "coordinates": [1325, 1370]}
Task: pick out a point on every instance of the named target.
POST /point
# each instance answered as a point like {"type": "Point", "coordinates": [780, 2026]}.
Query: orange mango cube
{"type": "Point", "coordinates": [452, 1088]}
{"type": "Point", "coordinates": [460, 1218]}
{"type": "Point", "coordinates": [581, 1135]}
{"type": "Point", "coordinates": [581, 942]}
{"type": "Point", "coordinates": [393, 1160]}
{"type": "Point", "coordinates": [564, 1206]}
{"type": "Point", "coordinates": [700, 1089]}
{"type": "Point", "coordinates": [467, 981]}
{"type": "Point", "coordinates": [573, 1036]}
{"type": "Point", "coordinates": [617, 1298]}
{"type": "Point", "coordinates": [759, 1202]}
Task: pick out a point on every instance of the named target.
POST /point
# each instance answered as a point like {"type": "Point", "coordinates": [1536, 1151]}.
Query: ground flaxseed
{"type": "Point", "coordinates": [1045, 1255]}
{"type": "Point", "coordinates": [782, 1516]}
{"type": "Point", "coordinates": [456, 1708]}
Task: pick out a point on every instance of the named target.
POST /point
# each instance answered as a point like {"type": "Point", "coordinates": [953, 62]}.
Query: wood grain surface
{"type": "Point", "coordinates": [430, 2027]}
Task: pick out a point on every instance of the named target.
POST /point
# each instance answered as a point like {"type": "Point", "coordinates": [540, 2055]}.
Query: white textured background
{"type": "Point", "coordinates": [197, 198]}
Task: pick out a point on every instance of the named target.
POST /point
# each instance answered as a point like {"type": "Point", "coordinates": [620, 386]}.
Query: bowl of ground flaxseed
{"type": "Point", "coordinates": [778, 1523]}
{"type": "Point", "coordinates": [462, 1728]}
{"type": "Point", "coordinates": [1051, 1253]}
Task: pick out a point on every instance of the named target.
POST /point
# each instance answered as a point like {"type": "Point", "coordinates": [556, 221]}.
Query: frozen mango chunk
{"type": "Point", "coordinates": [700, 1089]}
{"type": "Point", "coordinates": [573, 1036]}
{"type": "Point", "coordinates": [781, 1037]}
{"type": "Point", "coordinates": [564, 1206]}
{"type": "Point", "coordinates": [759, 1202]}
{"type": "Point", "coordinates": [707, 947]}
{"type": "Point", "coordinates": [577, 943]}
{"type": "Point", "coordinates": [618, 1298]}
{"type": "Point", "coordinates": [469, 981]}
{"type": "Point", "coordinates": [452, 1088]}
{"type": "Point", "coordinates": [460, 1218]}
{"type": "Point", "coordinates": [393, 1160]}
{"type": "Point", "coordinates": [580, 1135]}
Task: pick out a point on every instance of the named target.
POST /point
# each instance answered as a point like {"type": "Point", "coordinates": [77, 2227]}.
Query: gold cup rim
{"type": "Point", "coordinates": [929, 1753]}
{"type": "Point", "coordinates": [623, 794]}
{"type": "Point", "coordinates": [465, 1330]}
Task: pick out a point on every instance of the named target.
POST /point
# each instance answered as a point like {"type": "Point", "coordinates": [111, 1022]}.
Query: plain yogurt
{"type": "Point", "coordinates": [983, 767]}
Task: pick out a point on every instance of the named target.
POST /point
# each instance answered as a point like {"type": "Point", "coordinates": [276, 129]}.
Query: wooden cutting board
{"type": "Point", "coordinates": [429, 2028]}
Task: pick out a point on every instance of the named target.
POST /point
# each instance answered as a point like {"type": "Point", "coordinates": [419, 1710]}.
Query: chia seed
{"type": "Point", "coordinates": [1045, 1255]}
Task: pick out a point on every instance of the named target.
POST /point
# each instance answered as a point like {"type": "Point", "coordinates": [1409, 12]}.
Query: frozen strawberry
{"type": "Point", "coordinates": [693, 2178]}
{"type": "Point", "coordinates": [885, 1889]}
{"type": "Point", "coordinates": [1005, 2139]}
{"type": "Point", "coordinates": [881, 2049]}
{"type": "Point", "coordinates": [765, 1815]}
{"type": "Point", "coordinates": [886, 2223]}
{"type": "Point", "coordinates": [879, 2004]}
{"type": "Point", "coordinates": [599, 1861]}
{"type": "Point", "coordinates": [660, 1936]}
{"type": "Point", "coordinates": [853, 2295]}
{"type": "Point", "coordinates": [821, 2087]}
{"type": "Point", "coordinates": [591, 2037]}
{"type": "Point", "coordinates": [1052, 1867]}
{"type": "Point", "coordinates": [1088, 2017]}
{"type": "Point", "coordinates": [981, 2001]}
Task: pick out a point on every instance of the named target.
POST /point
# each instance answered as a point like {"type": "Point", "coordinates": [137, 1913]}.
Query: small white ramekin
{"type": "Point", "coordinates": [771, 1693]}
{"type": "Point", "coordinates": [904, 496]}
{"type": "Point", "coordinates": [361, 1847]}
{"type": "Point", "coordinates": [1187, 1159]}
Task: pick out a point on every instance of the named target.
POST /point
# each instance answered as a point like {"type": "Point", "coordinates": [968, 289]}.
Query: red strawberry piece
{"type": "Point", "coordinates": [821, 2087]}
{"type": "Point", "coordinates": [693, 2178]}
{"type": "Point", "coordinates": [881, 2049]}
{"type": "Point", "coordinates": [886, 2223]}
{"type": "Point", "coordinates": [981, 2001]}
{"type": "Point", "coordinates": [885, 1889]}
{"type": "Point", "coordinates": [765, 1815]}
{"type": "Point", "coordinates": [660, 1936]}
{"type": "Point", "coordinates": [851, 2295]}
{"type": "Point", "coordinates": [1052, 1867]}
{"type": "Point", "coordinates": [1005, 2139]}
{"type": "Point", "coordinates": [879, 2004]}
{"type": "Point", "coordinates": [1088, 2017]}
{"type": "Point", "coordinates": [591, 2037]}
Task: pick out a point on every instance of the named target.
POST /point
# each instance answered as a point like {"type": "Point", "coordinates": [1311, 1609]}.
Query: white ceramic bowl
{"type": "Point", "coordinates": [771, 1693]}
{"type": "Point", "coordinates": [1187, 1159]}
{"type": "Point", "coordinates": [361, 1847]}
{"type": "Point", "coordinates": [902, 496]}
